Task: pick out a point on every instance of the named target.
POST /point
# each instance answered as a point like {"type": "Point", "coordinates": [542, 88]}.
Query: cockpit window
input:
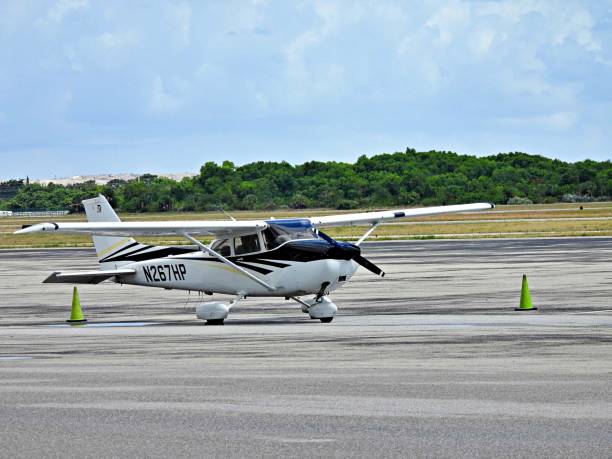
{"type": "Point", "coordinates": [246, 244]}
{"type": "Point", "coordinates": [222, 247]}
{"type": "Point", "coordinates": [278, 233]}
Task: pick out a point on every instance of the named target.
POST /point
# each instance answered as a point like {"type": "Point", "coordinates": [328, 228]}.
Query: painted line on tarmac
{"type": "Point", "coordinates": [105, 324]}
{"type": "Point", "coordinates": [591, 312]}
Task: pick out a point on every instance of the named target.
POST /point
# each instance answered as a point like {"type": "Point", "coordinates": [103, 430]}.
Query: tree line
{"type": "Point", "coordinates": [385, 180]}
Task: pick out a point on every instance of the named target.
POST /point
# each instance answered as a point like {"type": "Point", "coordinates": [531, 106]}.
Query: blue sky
{"type": "Point", "coordinates": [112, 86]}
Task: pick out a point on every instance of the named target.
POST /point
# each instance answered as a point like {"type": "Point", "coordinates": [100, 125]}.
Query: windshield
{"type": "Point", "coordinates": [280, 231]}
{"type": "Point", "coordinates": [222, 247]}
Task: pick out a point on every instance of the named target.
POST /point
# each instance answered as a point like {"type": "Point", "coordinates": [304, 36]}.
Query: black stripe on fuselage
{"type": "Point", "coordinates": [263, 262]}
{"type": "Point", "coordinates": [117, 252]}
{"type": "Point", "coordinates": [160, 252]}
{"type": "Point", "coordinates": [124, 256]}
{"type": "Point", "coordinates": [258, 269]}
{"type": "Point", "coordinates": [301, 251]}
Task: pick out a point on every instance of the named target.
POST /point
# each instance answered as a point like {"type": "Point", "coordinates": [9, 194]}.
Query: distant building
{"type": "Point", "coordinates": [103, 179]}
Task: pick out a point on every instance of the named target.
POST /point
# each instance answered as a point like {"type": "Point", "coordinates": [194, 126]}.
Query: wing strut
{"type": "Point", "coordinates": [228, 262]}
{"type": "Point", "coordinates": [367, 234]}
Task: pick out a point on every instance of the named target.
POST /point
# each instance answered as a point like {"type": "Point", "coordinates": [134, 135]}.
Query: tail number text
{"type": "Point", "coordinates": [164, 273]}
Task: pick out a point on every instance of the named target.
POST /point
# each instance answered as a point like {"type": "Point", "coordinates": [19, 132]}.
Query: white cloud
{"type": "Point", "coordinates": [63, 7]}
{"type": "Point", "coordinates": [579, 26]}
{"type": "Point", "coordinates": [111, 41]}
{"type": "Point", "coordinates": [481, 40]}
{"type": "Point", "coordinates": [443, 67]}
{"type": "Point", "coordinates": [557, 121]}
{"type": "Point", "coordinates": [310, 81]}
{"type": "Point", "coordinates": [180, 16]}
{"type": "Point", "coordinates": [71, 56]}
{"type": "Point", "coordinates": [511, 10]}
{"type": "Point", "coordinates": [448, 20]}
{"type": "Point", "coordinates": [162, 101]}
{"type": "Point", "coordinates": [327, 14]}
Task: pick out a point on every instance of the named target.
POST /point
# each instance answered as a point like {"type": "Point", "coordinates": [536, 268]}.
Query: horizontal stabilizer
{"type": "Point", "coordinates": [85, 277]}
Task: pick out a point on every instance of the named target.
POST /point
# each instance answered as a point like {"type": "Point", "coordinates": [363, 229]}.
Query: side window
{"type": "Point", "coordinates": [222, 247]}
{"type": "Point", "coordinates": [269, 239]}
{"type": "Point", "coordinates": [246, 244]}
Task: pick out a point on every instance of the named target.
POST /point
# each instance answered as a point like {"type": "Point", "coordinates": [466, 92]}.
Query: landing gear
{"type": "Point", "coordinates": [318, 308]}
{"type": "Point", "coordinates": [214, 313]}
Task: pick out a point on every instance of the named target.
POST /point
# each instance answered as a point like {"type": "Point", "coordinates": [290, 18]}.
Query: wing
{"type": "Point", "coordinates": [85, 277]}
{"type": "Point", "coordinates": [373, 218]}
{"type": "Point", "coordinates": [161, 228]}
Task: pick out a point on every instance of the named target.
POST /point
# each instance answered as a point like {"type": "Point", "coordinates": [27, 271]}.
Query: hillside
{"type": "Point", "coordinates": [403, 178]}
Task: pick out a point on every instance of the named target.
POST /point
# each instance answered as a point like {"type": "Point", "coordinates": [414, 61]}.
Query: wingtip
{"type": "Point", "coordinates": [36, 228]}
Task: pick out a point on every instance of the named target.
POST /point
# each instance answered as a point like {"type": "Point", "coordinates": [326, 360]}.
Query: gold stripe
{"type": "Point", "coordinates": [227, 268]}
{"type": "Point", "coordinates": [115, 246]}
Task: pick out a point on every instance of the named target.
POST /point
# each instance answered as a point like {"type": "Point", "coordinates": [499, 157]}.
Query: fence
{"type": "Point", "coordinates": [40, 213]}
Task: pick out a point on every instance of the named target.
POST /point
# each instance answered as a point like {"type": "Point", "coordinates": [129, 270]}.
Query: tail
{"type": "Point", "coordinates": [108, 247]}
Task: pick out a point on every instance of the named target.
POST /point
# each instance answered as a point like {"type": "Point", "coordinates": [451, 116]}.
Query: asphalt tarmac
{"type": "Point", "coordinates": [431, 361]}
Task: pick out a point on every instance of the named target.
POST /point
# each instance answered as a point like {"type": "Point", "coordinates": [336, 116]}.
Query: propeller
{"type": "Point", "coordinates": [348, 251]}
{"type": "Point", "coordinates": [367, 264]}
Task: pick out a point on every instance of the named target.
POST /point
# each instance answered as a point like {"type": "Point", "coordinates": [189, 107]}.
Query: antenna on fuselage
{"type": "Point", "coordinates": [223, 210]}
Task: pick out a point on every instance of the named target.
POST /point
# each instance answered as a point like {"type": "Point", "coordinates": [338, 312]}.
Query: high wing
{"type": "Point", "coordinates": [222, 229]}
{"type": "Point", "coordinates": [374, 218]}
{"type": "Point", "coordinates": [159, 228]}
{"type": "Point", "coordinates": [85, 277]}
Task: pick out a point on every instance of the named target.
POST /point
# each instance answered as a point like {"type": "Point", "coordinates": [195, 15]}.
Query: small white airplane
{"type": "Point", "coordinates": [287, 258]}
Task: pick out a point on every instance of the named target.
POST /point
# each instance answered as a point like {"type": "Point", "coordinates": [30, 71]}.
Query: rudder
{"type": "Point", "coordinates": [99, 210]}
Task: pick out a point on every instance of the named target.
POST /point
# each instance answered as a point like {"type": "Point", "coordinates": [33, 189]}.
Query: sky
{"type": "Point", "coordinates": [91, 87]}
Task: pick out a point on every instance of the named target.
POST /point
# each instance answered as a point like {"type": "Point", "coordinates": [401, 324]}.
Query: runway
{"type": "Point", "coordinates": [430, 361]}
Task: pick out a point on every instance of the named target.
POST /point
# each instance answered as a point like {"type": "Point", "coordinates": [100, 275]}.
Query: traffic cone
{"type": "Point", "coordinates": [76, 315]}
{"type": "Point", "coordinates": [525, 304]}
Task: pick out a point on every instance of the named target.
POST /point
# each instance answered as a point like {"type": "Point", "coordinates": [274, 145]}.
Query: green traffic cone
{"type": "Point", "coordinates": [76, 315]}
{"type": "Point", "coordinates": [525, 304]}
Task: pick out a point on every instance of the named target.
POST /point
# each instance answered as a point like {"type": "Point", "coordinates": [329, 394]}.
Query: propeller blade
{"type": "Point", "coordinates": [355, 255]}
{"type": "Point", "coordinates": [367, 264]}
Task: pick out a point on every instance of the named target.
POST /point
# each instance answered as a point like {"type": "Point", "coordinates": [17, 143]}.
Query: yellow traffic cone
{"type": "Point", "coordinates": [76, 315]}
{"type": "Point", "coordinates": [525, 304]}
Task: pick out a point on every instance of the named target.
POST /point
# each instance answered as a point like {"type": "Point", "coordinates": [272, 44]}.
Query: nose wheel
{"type": "Point", "coordinates": [318, 308]}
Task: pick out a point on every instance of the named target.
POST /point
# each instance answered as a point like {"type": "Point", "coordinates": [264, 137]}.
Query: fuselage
{"type": "Point", "coordinates": [295, 267]}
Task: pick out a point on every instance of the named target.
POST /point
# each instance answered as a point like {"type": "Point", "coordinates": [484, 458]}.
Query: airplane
{"type": "Point", "coordinates": [289, 258]}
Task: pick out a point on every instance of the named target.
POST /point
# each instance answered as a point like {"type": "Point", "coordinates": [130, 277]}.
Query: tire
{"type": "Point", "coordinates": [214, 322]}
{"type": "Point", "coordinates": [326, 320]}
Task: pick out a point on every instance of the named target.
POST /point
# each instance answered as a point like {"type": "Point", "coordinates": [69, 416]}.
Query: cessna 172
{"type": "Point", "coordinates": [287, 258]}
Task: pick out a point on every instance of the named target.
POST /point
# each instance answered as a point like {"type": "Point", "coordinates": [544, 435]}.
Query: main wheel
{"type": "Point", "coordinates": [214, 322]}
{"type": "Point", "coordinates": [326, 320]}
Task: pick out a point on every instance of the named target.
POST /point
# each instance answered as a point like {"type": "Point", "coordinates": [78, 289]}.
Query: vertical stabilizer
{"type": "Point", "coordinates": [99, 210]}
